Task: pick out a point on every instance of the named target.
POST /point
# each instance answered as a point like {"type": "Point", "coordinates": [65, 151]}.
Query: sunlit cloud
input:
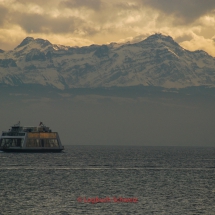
{"type": "Point", "coordinates": [83, 22]}
{"type": "Point", "coordinates": [184, 11]}
{"type": "Point", "coordinates": [200, 43]}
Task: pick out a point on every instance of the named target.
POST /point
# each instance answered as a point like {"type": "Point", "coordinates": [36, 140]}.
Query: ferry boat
{"type": "Point", "coordinates": [30, 139]}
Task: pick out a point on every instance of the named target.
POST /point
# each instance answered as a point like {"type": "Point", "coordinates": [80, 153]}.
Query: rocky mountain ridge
{"type": "Point", "coordinates": [156, 61]}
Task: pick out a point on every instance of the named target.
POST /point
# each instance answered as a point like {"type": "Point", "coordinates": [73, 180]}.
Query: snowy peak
{"type": "Point", "coordinates": [29, 46]}
{"type": "Point", "coordinates": [26, 41]}
{"type": "Point", "coordinates": [160, 37]}
{"type": "Point", "coordinates": [31, 41]}
{"type": "Point", "coordinates": [155, 61]}
{"type": "Point", "coordinates": [159, 40]}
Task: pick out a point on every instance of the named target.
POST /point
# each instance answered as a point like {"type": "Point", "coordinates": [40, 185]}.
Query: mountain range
{"type": "Point", "coordinates": [157, 61]}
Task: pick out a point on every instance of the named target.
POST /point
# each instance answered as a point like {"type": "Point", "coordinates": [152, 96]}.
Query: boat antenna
{"type": "Point", "coordinates": [18, 124]}
{"type": "Point", "coordinates": [41, 124]}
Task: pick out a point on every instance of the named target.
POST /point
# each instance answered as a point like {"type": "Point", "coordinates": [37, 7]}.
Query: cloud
{"type": "Point", "coordinates": [37, 2]}
{"type": "Point", "coordinates": [184, 11]}
{"type": "Point", "coordinates": [102, 22]}
{"type": "Point", "coordinates": [34, 19]}
{"type": "Point", "coordinates": [92, 4]}
{"type": "Point", "coordinates": [184, 37]}
{"type": "Point", "coordinates": [200, 43]}
{"type": "Point", "coordinates": [3, 15]}
{"type": "Point", "coordinates": [36, 23]}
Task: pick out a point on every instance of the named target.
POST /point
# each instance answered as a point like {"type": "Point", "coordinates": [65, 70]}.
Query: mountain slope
{"type": "Point", "coordinates": [155, 61]}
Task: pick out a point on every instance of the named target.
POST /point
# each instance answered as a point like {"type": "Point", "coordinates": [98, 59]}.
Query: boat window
{"type": "Point", "coordinates": [48, 135]}
{"type": "Point", "coordinates": [42, 135]}
{"type": "Point", "coordinates": [13, 134]}
{"type": "Point", "coordinates": [50, 143]}
{"type": "Point", "coordinates": [12, 142]}
{"type": "Point", "coordinates": [34, 135]}
{"type": "Point", "coordinates": [42, 143]}
{"type": "Point", "coordinates": [33, 143]}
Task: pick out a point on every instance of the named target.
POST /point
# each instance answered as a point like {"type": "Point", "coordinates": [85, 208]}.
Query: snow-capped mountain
{"type": "Point", "coordinates": [155, 61]}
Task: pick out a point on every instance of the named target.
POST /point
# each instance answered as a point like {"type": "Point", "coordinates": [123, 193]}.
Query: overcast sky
{"type": "Point", "coordinates": [83, 22]}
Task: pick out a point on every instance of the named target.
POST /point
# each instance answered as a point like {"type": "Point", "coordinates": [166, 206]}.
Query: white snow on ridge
{"type": "Point", "coordinates": [158, 61]}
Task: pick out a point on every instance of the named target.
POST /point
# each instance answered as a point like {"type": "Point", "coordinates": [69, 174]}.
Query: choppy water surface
{"type": "Point", "coordinates": [165, 180]}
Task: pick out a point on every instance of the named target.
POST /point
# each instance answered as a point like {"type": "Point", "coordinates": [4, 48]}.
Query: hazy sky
{"type": "Point", "coordinates": [85, 22]}
{"type": "Point", "coordinates": [99, 120]}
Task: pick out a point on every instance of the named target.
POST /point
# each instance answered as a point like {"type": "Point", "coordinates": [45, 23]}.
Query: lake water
{"type": "Point", "coordinates": [157, 180]}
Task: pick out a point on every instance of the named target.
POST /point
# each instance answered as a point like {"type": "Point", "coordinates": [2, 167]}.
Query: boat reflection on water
{"type": "Point", "coordinates": [30, 139]}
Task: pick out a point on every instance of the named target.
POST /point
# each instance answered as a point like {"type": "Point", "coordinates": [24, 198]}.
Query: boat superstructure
{"type": "Point", "coordinates": [30, 139]}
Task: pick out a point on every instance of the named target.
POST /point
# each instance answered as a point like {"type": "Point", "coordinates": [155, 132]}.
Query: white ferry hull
{"type": "Point", "coordinates": [39, 150]}
{"type": "Point", "coordinates": [30, 139]}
